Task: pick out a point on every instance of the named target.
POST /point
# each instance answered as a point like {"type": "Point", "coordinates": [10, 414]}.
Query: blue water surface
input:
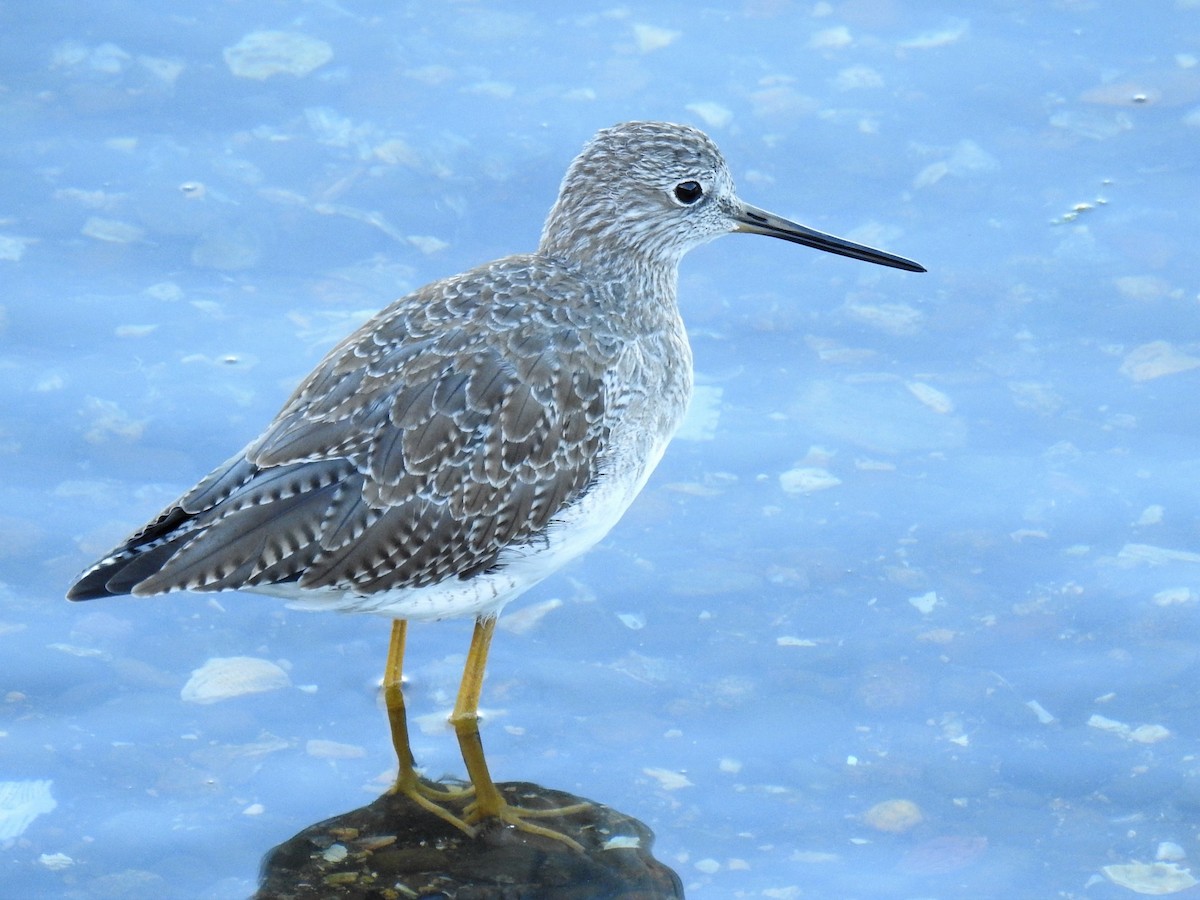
{"type": "Point", "coordinates": [927, 541]}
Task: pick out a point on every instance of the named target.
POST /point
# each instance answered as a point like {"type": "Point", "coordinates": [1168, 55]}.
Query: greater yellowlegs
{"type": "Point", "coordinates": [478, 433]}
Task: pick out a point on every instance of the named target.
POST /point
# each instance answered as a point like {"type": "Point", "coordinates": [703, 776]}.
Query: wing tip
{"type": "Point", "coordinates": [93, 584]}
{"type": "Point", "coordinates": [118, 575]}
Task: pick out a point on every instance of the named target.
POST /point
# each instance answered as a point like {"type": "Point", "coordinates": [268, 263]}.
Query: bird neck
{"type": "Point", "coordinates": [592, 241]}
{"type": "Point", "coordinates": [636, 291]}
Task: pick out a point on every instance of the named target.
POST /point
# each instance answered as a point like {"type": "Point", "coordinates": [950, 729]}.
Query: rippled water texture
{"type": "Point", "coordinates": [910, 608]}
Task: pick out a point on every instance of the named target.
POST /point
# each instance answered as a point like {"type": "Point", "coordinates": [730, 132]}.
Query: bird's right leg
{"type": "Point", "coordinates": [421, 791]}
{"type": "Point", "coordinates": [489, 802]}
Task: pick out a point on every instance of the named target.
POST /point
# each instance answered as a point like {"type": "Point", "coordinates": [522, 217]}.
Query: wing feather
{"type": "Point", "coordinates": [455, 423]}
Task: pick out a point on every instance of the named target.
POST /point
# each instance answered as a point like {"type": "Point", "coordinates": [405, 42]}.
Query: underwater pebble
{"type": "Point", "coordinates": [1149, 734]}
{"type": "Point", "coordinates": [1156, 359]}
{"type": "Point", "coordinates": [1151, 515]}
{"type": "Point", "coordinates": [427, 244]}
{"type": "Point", "coordinates": [1147, 288]}
{"type": "Point", "coordinates": [82, 652]}
{"type": "Point", "coordinates": [226, 250]}
{"type": "Point", "coordinates": [831, 38]}
{"type": "Point", "coordinates": [12, 247]}
{"type": "Point", "coordinates": [1136, 554]}
{"type": "Point", "coordinates": [714, 115]}
{"type": "Point", "coordinates": [1143, 734]}
{"type": "Point", "coordinates": [954, 31]}
{"type": "Point", "coordinates": [898, 319]}
{"type": "Point", "coordinates": [668, 780]}
{"type": "Point", "coordinates": [651, 37]}
{"type": "Point", "coordinates": [632, 621]}
{"type": "Point", "coordinates": [965, 159]}
{"type": "Point", "coordinates": [106, 420]}
{"type": "Point", "coordinates": [56, 862]}
{"type": "Point", "coordinates": [1174, 596]}
{"type": "Point", "coordinates": [395, 152]}
{"type": "Point", "coordinates": [693, 489]}
{"type": "Point", "coordinates": [1150, 878]}
{"type": "Point", "coordinates": [807, 480]}
{"type": "Point", "coordinates": [622, 842]}
{"type": "Point", "coordinates": [500, 90]}
{"type": "Point", "coordinates": [134, 331]}
{"type": "Point", "coordinates": [527, 618]}
{"type": "Point", "coordinates": [224, 677]}
{"type": "Point", "coordinates": [925, 603]}
{"type": "Point", "coordinates": [111, 231]}
{"type": "Point", "coordinates": [894, 816]}
{"type": "Point", "coordinates": [930, 396]}
{"type": "Point", "coordinates": [335, 853]}
{"type": "Point", "coordinates": [938, 636]}
{"type": "Point", "coordinates": [1169, 851]}
{"type": "Point", "coordinates": [857, 78]}
{"type": "Point", "coordinates": [788, 640]}
{"type": "Point", "coordinates": [1103, 723]}
{"type": "Point", "coordinates": [262, 54]}
{"type": "Point", "coordinates": [1091, 124]}
{"type": "Point", "coordinates": [874, 465]}
{"type": "Point", "coordinates": [333, 750]}
{"type": "Point", "coordinates": [1043, 715]}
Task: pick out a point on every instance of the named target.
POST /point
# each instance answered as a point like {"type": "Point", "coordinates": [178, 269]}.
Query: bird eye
{"type": "Point", "coordinates": [688, 192]}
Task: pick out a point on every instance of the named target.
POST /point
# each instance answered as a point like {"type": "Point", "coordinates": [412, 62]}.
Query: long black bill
{"type": "Point", "coordinates": [753, 220]}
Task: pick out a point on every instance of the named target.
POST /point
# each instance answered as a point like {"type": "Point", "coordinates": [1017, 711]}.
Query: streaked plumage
{"type": "Point", "coordinates": [477, 433]}
{"type": "Point", "coordinates": [451, 426]}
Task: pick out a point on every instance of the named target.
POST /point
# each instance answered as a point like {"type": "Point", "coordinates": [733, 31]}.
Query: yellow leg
{"type": "Point", "coordinates": [489, 802]}
{"type": "Point", "coordinates": [408, 782]}
{"type": "Point", "coordinates": [465, 719]}
{"type": "Point", "coordinates": [393, 696]}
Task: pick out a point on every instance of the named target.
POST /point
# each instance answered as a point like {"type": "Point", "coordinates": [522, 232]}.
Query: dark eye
{"type": "Point", "coordinates": [688, 192]}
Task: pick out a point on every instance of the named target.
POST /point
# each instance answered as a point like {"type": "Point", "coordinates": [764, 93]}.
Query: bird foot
{"type": "Point", "coordinates": [485, 813]}
{"type": "Point", "coordinates": [438, 799]}
{"type": "Point", "coordinates": [462, 809]}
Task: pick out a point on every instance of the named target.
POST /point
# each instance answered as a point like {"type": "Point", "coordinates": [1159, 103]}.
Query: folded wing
{"type": "Point", "coordinates": [444, 430]}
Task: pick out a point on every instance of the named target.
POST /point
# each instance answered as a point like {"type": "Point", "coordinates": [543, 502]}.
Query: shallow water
{"type": "Point", "coordinates": [926, 538]}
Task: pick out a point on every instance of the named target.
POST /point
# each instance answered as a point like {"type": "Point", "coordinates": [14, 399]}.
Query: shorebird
{"type": "Point", "coordinates": [476, 434]}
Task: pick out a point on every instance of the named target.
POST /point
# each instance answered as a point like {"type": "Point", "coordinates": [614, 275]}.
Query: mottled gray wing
{"type": "Point", "coordinates": [453, 424]}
